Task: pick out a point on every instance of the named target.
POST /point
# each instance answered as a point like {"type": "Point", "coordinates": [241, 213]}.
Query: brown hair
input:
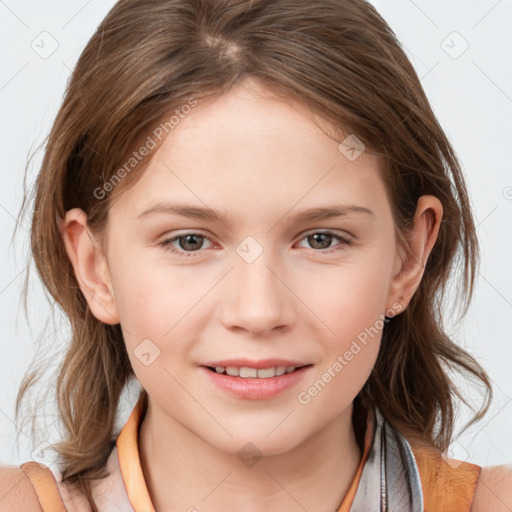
{"type": "Point", "coordinates": [337, 57]}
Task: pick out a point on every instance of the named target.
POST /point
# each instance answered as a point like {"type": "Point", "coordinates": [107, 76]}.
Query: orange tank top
{"type": "Point", "coordinates": [447, 485]}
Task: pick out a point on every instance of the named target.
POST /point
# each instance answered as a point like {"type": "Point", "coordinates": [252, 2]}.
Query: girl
{"type": "Point", "coordinates": [249, 207]}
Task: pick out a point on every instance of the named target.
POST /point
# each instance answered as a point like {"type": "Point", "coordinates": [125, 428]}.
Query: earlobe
{"type": "Point", "coordinates": [421, 239]}
{"type": "Point", "coordinates": [90, 266]}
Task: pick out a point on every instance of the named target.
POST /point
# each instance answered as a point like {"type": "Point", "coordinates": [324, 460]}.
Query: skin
{"type": "Point", "coordinates": [262, 159]}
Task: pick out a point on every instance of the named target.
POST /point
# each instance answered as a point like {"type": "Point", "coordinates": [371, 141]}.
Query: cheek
{"type": "Point", "coordinates": [160, 308]}
{"type": "Point", "coordinates": [346, 298]}
{"type": "Point", "coordinates": [353, 309]}
{"type": "Point", "coordinates": [334, 387]}
{"type": "Point", "coordinates": [348, 306]}
{"type": "Point", "coordinates": [152, 296]}
{"type": "Point", "coordinates": [153, 306]}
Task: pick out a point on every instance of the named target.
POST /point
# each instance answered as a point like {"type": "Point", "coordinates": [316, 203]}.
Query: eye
{"type": "Point", "coordinates": [190, 243]}
{"type": "Point", "coordinates": [321, 240]}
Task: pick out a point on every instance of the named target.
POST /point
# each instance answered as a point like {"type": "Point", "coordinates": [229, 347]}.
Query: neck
{"type": "Point", "coordinates": [183, 472]}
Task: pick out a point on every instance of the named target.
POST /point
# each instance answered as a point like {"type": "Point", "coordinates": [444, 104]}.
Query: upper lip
{"type": "Point", "coordinates": [262, 363]}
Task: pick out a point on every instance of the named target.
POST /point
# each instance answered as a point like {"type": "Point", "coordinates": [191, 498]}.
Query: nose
{"type": "Point", "coordinates": [257, 298]}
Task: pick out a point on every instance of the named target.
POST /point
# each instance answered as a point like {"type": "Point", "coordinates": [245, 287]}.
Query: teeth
{"type": "Point", "coordinates": [265, 373]}
{"type": "Point", "coordinates": [280, 370]}
{"type": "Point", "coordinates": [261, 373]}
{"type": "Point", "coordinates": [248, 372]}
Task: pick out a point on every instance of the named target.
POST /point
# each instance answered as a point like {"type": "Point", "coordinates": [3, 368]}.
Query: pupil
{"type": "Point", "coordinates": [315, 238]}
{"type": "Point", "coordinates": [187, 245]}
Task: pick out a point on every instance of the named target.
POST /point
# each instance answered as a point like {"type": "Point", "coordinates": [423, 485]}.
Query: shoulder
{"type": "Point", "coordinates": [16, 491]}
{"type": "Point", "coordinates": [493, 490]}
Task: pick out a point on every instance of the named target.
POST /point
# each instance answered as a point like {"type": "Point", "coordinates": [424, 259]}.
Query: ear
{"type": "Point", "coordinates": [90, 266]}
{"type": "Point", "coordinates": [410, 261]}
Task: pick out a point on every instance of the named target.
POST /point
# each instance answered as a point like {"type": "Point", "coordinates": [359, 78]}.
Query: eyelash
{"type": "Point", "coordinates": [166, 244]}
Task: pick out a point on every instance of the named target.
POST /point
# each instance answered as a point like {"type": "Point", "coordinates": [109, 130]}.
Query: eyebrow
{"type": "Point", "coordinates": [205, 213]}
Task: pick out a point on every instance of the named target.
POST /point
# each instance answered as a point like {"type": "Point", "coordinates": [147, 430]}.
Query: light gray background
{"type": "Point", "coordinates": [470, 90]}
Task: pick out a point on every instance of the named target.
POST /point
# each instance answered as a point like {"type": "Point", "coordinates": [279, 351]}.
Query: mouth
{"type": "Point", "coordinates": [246, 372]}
{"type": "Point", "coordinates": [249, 379]}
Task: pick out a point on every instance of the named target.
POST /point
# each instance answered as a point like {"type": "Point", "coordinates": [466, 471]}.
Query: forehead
{"type": "Point", "coordinates": [252, 149]}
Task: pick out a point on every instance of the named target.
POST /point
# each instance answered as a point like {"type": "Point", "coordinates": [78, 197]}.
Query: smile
{"type": "Point", "coordinates": [249, 383]}
{"type": "Point", "coordinates": [255, 373]}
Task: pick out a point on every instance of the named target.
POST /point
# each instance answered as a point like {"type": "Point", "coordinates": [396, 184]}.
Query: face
{"type": "Point", "coordinates": [264, 283]}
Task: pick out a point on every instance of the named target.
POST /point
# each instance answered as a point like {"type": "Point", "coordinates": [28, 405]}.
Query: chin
{"type": "Point", "coordinates": [256, 443]}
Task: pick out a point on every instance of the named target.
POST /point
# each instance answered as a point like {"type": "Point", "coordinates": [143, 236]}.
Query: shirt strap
{"type": "Point", "coordinates": [45, 485]}
{"type": "Point", "coordinates": [448, 484]}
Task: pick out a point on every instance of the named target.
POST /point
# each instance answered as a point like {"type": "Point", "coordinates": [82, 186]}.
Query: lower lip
{"type": "Point", "coordinates": [254, 388]}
